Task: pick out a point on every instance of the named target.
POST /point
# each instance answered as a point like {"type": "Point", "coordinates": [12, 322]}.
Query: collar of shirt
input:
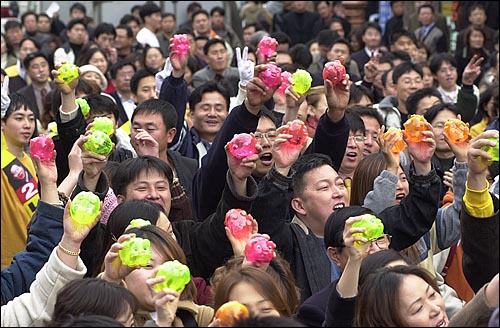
{"type": "Point", "coordinates": [369, 52]}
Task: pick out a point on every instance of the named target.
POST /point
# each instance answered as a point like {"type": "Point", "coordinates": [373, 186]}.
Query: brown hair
{"type": "Point", "coordinates": [262, 281]}
{"type": "Point", "coordinates": [170, 249]}
{"type": "Point", "coordinates": [378, 299]}
{"type": "Point", "coordinates": [364, 176]}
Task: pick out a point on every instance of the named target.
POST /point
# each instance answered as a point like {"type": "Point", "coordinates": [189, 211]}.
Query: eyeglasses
{"type": "Point", "coordinates": [383, 241]}
{"type": "Point", "coordinates": [358, 139]}
{"type": "Point", "coordinates": [125, 74]}
{"type": "Point", "coordinates": [271, 135]}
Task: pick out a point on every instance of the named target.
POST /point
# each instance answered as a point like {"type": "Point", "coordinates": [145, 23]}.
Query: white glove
{"type": "Point", "coordinates": [245, 66]}
{"type": "Point", "coordinates": [5, 96]}
{"type": "Point", "coordinates": [162, 75]}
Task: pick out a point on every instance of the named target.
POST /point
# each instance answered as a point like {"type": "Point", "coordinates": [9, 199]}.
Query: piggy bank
{"type": "Point", "coordinates": [84, 105]}
{"type": "Point", "coordinates": [99, 143]}
{"type": "Point", "coordinates": [242, 145]}
{"type": "Point", "coordinates": [267, 46]}
{"type": "Point", "coordinates": [68, 72]}
{"type": "Point", "coordinates": [85, 207]}
{"type": "Point", "coordinates": [43, 147]}
{"type": "Point", "coordinates": [180, 44]}
{"type": "Point", "coordinates": [301, 81]}
{"type": "Point", "coordinates": [456, 131]}
{"type": "Point", "coordinates": [136, 252]}
{"type": "Point", "coordinates": [373, 227]}
{"type": "Point", "coordinates": [299, 133]}
{"type": "Point", "coordinates": [284, 83]}
{"type": "Point", "coordinates": [414, 127]}
{"type": "Point", "coordinates": [239, 222]}
{"type": "Point", "coordinates": [177, 276]}
{"type": "Point", "coordinates": [259, 249]}
{"type": "Point", "coordinates": [103, 124]}
{"type": "Point", "coordinates": [492, 150]}
{"type": "Point", "coordinates": [231, 311]}
{"type": "Point", "coordinates": [137, 223]}
{"type": "Point", "coordinates": [271, 77]}
{"type": "Point", "coordinates": [335, 72]}
{"type": "Point", "coordinates": [400, 145]}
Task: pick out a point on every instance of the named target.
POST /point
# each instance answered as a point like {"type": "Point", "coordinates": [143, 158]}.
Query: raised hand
{"type": "Point", "coordinates": [93, 164]}
{"type": "Point", "coordinates": [241, 169]}
{"type": "Point", "coordinates": [356, 251]}
{"type": "Point", "coordinates": [459, 150]}
{"type": "Point", "coordinates": [422, 151]}
{"type": "Point", "coordinates": [284, 156]}
{"type": "Point", "coordinates": [166, 301]}
{"type": "Point", "coordinates": [64, 87]}
{"type": "Point", "coordinates": [257, 92]}
{"type": "Point", "coordinates": [144, 144]}
{"type": "Point", "coordinates": [75, 233]}
{"type": "Point", "coordinates": [478, 159]}
{"type": "Point", "coordinates": [245, 66]}
{"type": "Point", "coordinates": [163, 74]}
{"type": "Point", "coordinates": [371, 68]}
{"type": "Point", "coordinates": [393, 159]}
{"type": "Point", "coordinates": [45, 170]}
{"type": "Point", "coordinates": [114, 269]}
{"type": "Point", "coordinates": [472, 70]}
{"type": "Point", "coordinates": [238, 245]}
{"type": "Point", "coordinates": [337, 97]}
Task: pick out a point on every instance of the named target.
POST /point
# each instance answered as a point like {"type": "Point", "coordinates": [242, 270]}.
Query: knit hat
{"type": "Point", "coordinates": [91, 68]}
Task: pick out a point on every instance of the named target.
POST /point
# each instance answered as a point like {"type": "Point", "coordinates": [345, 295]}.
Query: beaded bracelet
{"type": "Point", "coordinates": [67, 251]}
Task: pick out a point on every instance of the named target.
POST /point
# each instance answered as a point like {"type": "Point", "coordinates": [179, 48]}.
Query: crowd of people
{"type": "Point", "coordinates": [174, 116]}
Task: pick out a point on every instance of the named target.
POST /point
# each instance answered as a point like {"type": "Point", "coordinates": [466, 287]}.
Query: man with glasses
{"type": "Point", "coordinates": [121, 74]}
{"type": "Point", "coordinates": [354, 149]}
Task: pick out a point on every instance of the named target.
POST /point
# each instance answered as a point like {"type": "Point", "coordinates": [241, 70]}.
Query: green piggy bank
{"type": "Point", "coordinates": [176, 275]}
{"type": "Point", "coordinates": [99, 143]}
{"type": "Point", "coordinates": [68, 72]}
{"type": "Point", "coordinates": [373, 227]}
{"type": "Point", "coordinates": [136, 252]}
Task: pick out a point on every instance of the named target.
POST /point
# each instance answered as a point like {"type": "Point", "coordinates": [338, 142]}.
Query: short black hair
{"type": "Point", "coordinates": [12, 24]}
{"type": "Point", "coordinates": [158, 106]}
{"type": "Point", "coordinates": [355, 122]}
{"type": "Point", "coordinates": [219, 10]}
{"type": "Point", "coordinates": [327, 37]}
{"type": "Point", "coordinates": [413, 99]}
{"type": "Point", "coordinates": [211, 42]}
{"type": "Point", "coordinates": [89, 320]}
{"type": "Point", "coordinates": [148, 9]}
{"type": "Point", "coordinates": [163, 15]}
{"type": "Point", "coordinates": [200, 12]}
{"type": "Point", "coordinates": [127, 18]}
{"type": "Point", "coordinates": [130, 169]}
{"type": "Point", "coordinates": [305, 164]}
{"type": "Point", "coordinates": [74, 22]}
{"type": "Point", "coordinates": [119, 65]}
{"type": "Point", "coordinates": [127, 28]}
{"type": "Point", "coordinates": [78, 6]}
{"type": "Point", "coordinates": [138, 76]}
{"type": "Point", "coordinates": [28, 13]}
{"type": "Point", "coordinates": [104, 28]}
{"type": "Point", "coordinates": [432, 112]}
{"type": "Point", "coordinates": [438, 59]}
{"type": "Point", "coordinates": [101, 104]}
{"type": "Point", "coordinates": [367, 111]}
{"type": "Point", "coordinates": [403, 68]}
{"type": "Point", "coordinates": [334, 226]}
{"type": "Point", "coordinates": [210, 86]}
{"type": "Point", "coordinates": [27, 60]}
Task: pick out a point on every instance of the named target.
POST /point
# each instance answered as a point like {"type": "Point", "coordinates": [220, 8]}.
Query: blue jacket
{"type": "Point", "coordinates": [44, 234]}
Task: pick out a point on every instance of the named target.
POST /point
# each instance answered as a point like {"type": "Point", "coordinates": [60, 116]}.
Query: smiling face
{"type": "Point", "coordinates": [402, 188]}
{"type": "Point", "coordinates": [421, 305]}
{"type": "Point", "coordinates": [372, 126]}
{"type": "Point", "coordinates": [246, 294]}
{"type": "Point", "coordinates": [324, 191]}
{"type": "Point", "coordinates": [18, 127]}
{"type": "Point", "coordinates": [209, 115]}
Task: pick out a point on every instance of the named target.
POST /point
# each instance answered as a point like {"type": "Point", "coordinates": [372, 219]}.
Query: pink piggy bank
{"type": "Point", "coordinates": [43, 147]}
{"type": "Point", "coordinates": [242, 145]}
{"type": "Point", "coordinates": [267, 46]}
{"type": "Point", "coordinates": [271, 77]}
{"type": "Point", "coordinates": [180, 44]}
{"type": "Point", "coordinates": [335, 72]}
{"type": "Point", "coordinates": [239, 222]}
{"type": "Point", "coordinates": [260, 249]}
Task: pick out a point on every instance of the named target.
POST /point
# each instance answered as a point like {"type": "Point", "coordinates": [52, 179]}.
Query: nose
{"type": "Point", "coordinates": [434, 308]}
{"type": "Point", "coordinates": [152, 194]}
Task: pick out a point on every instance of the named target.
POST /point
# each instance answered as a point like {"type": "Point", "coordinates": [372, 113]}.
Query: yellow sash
{"type": "Point", "coordinates": [24, 184]}
{"type": "Point", "coordinates": [126, 127]}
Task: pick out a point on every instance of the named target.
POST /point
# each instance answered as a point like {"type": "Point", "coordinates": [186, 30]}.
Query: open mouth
{"type": "Point", "coordinates": [339, 205]}
{"type": "Point", "coordinates": [442, 323]}
{"type": "Point", "coordinates": [266, 158]}
{"type": "Point", "coordinates": [400, 196]}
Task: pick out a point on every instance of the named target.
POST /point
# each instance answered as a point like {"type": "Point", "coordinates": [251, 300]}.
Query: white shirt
{"type": "Point", "coordinates": [146, 36]}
